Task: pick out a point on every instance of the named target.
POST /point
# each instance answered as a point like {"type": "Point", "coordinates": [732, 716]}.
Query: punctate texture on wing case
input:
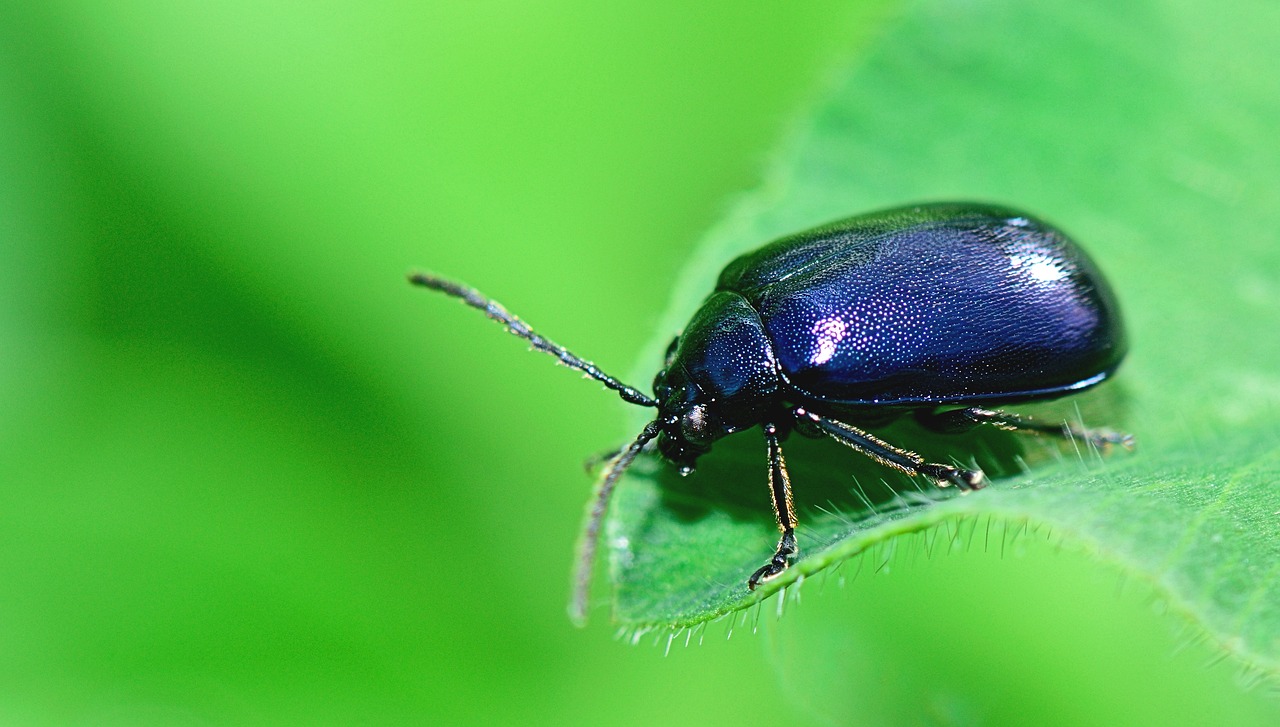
{"type": "Point", "coordinates": [947, 303]}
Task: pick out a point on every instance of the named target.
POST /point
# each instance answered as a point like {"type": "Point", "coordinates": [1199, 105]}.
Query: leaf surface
{"type": "Point", "coordinates": [1144, 130]}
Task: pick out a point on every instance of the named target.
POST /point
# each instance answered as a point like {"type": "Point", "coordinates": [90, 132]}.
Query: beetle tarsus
{"type": "Point", "coordinates": [975, 479]}
{"type": "Point", "coordinates": [779, 563]}
{"type": "Point", "coordinates": [1100, 439]}
{"type": "Point", "coordinates": [945, 475]}
{"type": "Point", "coordinates": [1105, 439]}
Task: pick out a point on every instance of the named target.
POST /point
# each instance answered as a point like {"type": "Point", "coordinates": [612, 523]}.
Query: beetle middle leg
{"type": "Point", "coordinates": [961, 420]}
{"type": "Point", "coordinates": [783, 509]}
{"type": "Point", "coordinates": [889, 455]}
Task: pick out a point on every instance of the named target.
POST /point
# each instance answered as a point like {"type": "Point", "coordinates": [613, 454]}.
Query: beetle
{"type": "Point", "coordinates": [940, 311]}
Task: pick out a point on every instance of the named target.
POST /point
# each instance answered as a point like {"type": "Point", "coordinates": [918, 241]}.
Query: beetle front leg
{"type": "Point", "coordinates": [783, 510]}
{"type": "Point", "coordinates": [889, 455]}
{"type": "Point", "coordinates": [960, 420]}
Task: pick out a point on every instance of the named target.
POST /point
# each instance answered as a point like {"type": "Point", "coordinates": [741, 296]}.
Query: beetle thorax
{"type": "Point", "coordinates": [720, 377]}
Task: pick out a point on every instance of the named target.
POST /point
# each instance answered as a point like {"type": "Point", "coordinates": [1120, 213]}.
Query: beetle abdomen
{"type": "Point", "coordinates": [936, 303]}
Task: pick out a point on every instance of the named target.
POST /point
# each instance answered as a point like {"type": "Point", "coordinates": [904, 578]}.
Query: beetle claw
{"type": "Point", "coordinates": [1105, 439]}
{"type": "Point", "coordinates": [767, 572]}
{"type": "Point", "coordinates": [965, 480]}
{"type": "Point", "coordinates": [776, 565]}
{"type": "Point", "coordinates": [973, 479]}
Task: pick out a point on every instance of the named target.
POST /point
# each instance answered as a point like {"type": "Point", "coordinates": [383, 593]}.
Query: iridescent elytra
{"type": "Point", "coordinates": [941, 311]}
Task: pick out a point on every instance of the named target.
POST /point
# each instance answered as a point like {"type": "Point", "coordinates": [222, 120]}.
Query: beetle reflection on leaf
{"type": "Point", "coordinates": [938, 310]}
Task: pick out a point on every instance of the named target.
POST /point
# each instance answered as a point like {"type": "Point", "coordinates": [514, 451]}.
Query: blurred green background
{"type": "Point", "coordinates": [251, 477]}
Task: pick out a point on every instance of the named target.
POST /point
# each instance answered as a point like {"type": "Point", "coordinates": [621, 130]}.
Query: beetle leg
{"type": "Point", "coordinates": [891, 456]}
{"type": "Point", "coordinates": [959, 420]}
{"type": "Point", "coordinates": [783, 510]}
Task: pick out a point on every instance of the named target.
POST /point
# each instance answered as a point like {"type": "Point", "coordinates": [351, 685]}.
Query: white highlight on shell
{"type": "Point", "coordinates": [830, 332]}
{"type": "Point", "coordinates": [1039, 267]}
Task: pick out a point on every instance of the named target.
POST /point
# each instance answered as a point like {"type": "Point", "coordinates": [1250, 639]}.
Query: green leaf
{"type": "Point", "coordinates": [1144, 130]}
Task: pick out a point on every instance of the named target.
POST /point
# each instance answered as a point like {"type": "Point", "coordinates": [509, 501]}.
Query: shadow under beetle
{"type": "Point", "coordinates": [937, 310]}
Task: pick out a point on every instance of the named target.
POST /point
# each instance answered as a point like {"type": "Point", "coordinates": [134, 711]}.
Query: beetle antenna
{"type": "Point", "coordinates": [591, 534]}
{"type": "Point", "coordinates": [495, 311]}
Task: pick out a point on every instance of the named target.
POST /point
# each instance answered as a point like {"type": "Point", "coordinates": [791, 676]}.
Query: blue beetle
{"type": "Point", "coordinates": [939, 311]}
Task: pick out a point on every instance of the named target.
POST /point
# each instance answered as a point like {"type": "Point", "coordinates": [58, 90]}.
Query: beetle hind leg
{"type": "Point", "coordinates": [889, 455]}
{"type": "Point", "coordinates": [783, 510]}
{"type": "Point", "coordinates": [960, 420]}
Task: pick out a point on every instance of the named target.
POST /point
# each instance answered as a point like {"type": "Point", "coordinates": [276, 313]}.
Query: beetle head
{"type": "Point", "coordinates": [691, 421]}
{"type": "Point", "coordinates": [683, 411]}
